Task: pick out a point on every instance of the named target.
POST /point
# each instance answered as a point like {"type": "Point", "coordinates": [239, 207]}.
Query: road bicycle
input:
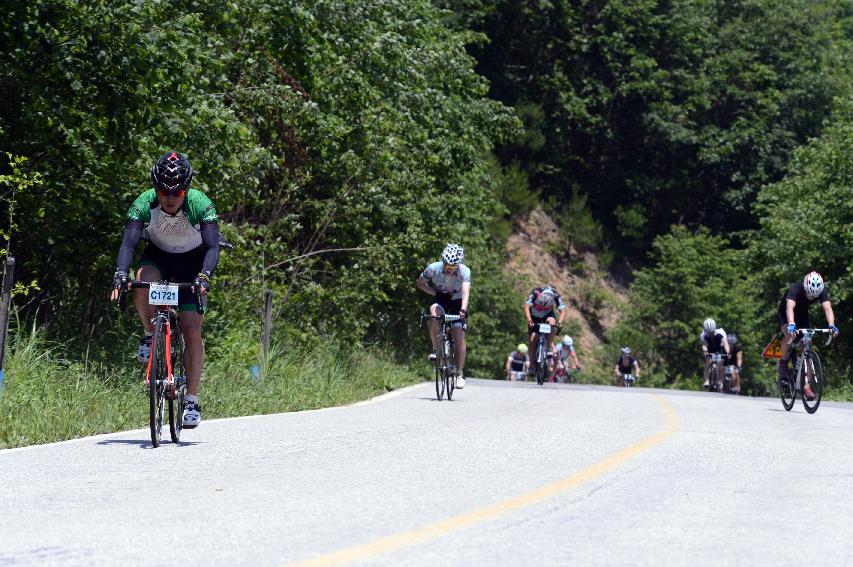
{"type": "Point", "coordinates": [540, 359]}
{"type": "Point", "coordinates": [445, 355]}
{"type": "Point", "coordinates": [714, 383]}
{"type": "Point", "coordinates": [165, 374]}
{"type": "Point", "coordinates": [807, 371]}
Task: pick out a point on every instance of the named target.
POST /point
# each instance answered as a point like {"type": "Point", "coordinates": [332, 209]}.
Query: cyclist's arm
{"type": "Point", "coordinates": [740, 358]}
{"type": "Point", "coordinates": [466, 294]}
{"type": "Point", "coordinates": [789, 310]}
{"type": "Point", "coordinates": [508, 362]}
{"type": "Point", "coordinates": [636, 369]}
{"type": "Point", "coordinates": [424, 286]}
{"type": "Point", "coordinates": [726, 347]}
{"type": "Point", "coordinates": [827, 310]}
{"type": "Point", "coordinates": [574, 356]}
{"type": "Point", "coordinates": [616, 369]}
{"type": "Point", "coordinates": [210, 240]}
{"type": "Point", "coordinates": [528, 315]}
{"type": "Point", "coordinates": [132, 234]}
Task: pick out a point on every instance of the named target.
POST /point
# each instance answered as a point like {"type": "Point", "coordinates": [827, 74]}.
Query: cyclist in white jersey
{"type": "Point", "coordinates": [449, 281]}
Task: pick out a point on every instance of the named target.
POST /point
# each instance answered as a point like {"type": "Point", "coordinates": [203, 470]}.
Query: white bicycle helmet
{"type": "Point", "coordinates": [813, 284]}
{"type": "Point", "coordinates": [709, 325]}
{"type": "Point", "coordinates": [626, 350]}
{"type": "Point", "coordinates": [453, 254]}
{"type": "Point", "coordinates": [567, 340]}
{"type": "Point", "coordinates": [546, 298]}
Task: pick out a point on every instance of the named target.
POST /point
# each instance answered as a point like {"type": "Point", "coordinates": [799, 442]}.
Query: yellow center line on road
{"type": "Point", "coordinates": [406, 539]}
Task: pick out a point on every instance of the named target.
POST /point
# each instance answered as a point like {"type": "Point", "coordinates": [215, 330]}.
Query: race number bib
{"type": "Point", "coordinates": [163, 294]}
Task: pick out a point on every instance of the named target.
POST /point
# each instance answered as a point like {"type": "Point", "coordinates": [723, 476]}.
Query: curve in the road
{"type": "Point", "coordinates": [412, 537]}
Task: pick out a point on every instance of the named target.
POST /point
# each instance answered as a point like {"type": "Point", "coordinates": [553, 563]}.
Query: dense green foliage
{"type": "Point", "coordinates": [660, 112]}
{"type": "Point", "coordinates": [344, 143]}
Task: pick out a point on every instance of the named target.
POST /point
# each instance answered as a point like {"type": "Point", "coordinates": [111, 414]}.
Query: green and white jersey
{"type": "Point", "coordinates": [178, 233]}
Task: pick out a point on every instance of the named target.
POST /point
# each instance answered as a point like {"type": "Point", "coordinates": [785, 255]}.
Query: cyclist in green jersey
{"type": "Point", "coordinates": [182, 234]}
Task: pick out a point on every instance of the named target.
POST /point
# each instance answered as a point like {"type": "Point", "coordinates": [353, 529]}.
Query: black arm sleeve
{"type": "Point", "coordinates": [210, 240]}
{"type": "Point", "coordinates": [132, 234]}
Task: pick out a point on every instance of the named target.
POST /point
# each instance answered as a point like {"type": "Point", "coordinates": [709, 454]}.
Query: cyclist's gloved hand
{"type": "Point", "coordinates": [202, 281]}
{"type": "Point", "coordinates": [463, 313]}
{"type": "Point", "coordinates": [119, 279]}
{"type": "Point", "coordinates": [834, 329]}
{"type": "Point", "coordinates": [791, 327]}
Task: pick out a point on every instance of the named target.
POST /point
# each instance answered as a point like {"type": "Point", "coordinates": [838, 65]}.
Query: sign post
{"type": "Point", "coordinates": [5, 306]}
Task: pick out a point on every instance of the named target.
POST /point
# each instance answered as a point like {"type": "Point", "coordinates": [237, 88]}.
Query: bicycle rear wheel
{"type": "Point", "coordinates": [541, 364]}
{"type": "Point", "coordinates": [813, 376]}
{"type": "Point", "coordinates": [787, 392]}
{"type": "Point", "coordinates": [176, 402]}
{"type": "Point", "coordinates": [439, 369]}
{"type": "Point", "coordinates": [156, 382]}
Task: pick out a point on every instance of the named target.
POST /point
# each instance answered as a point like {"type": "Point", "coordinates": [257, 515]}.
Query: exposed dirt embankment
{"type": "Point", "coordinates": [539, 255]}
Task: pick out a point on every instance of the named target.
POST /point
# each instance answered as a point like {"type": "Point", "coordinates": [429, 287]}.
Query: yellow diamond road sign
{"type": "Point", "coordinates": [773, 348]}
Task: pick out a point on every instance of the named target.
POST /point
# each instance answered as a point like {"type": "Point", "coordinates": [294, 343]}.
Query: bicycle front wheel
{"type": "Point", "coordinates": [156, 382]}
{"type": "Point", "coordinates": [450, 371]}
{"type": "Point", "coordinates": [812, 376]}
{"type": "Point", "coordinates": [439, 370]}
{"type": "Point", "coordinates": [787, 392]}
{"type": "Point", "coordinates": [176, 401]}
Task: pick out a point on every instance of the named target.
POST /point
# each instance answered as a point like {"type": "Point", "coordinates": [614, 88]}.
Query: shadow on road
{"type": "Point", "coordinates": [146, 444]}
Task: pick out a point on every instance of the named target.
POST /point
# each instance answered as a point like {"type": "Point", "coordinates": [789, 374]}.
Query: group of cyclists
{"type": "Point", "coordinates": [180, 227]}
{"type": "Point", "coordinates": [715, 340]}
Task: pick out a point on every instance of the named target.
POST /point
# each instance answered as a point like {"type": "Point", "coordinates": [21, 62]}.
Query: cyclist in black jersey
{"type": "Point", "coordinates": [735, 361]}
{"type": "Point", "coordinates": [182, 234]}
{"type": "Point", "coordinates": [793, 314]}
{"type": "Point", "coordinates": [713, 341]}
{"type": "Point", "coordinates": [626, 364]}
{"type": "Point", "coordinates": [517, 363]}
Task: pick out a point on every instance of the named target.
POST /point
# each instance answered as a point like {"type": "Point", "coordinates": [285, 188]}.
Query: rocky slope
{"type": "Point", "coordinates": [539, 256]}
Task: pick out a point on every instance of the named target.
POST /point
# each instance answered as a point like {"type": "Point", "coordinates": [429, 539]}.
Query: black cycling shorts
{"type": "Point", "coordinates": [451, 307]}
{"type": "Point", "coordinates": [182, 267]}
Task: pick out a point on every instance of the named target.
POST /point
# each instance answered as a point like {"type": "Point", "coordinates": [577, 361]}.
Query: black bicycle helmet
{"type": "Point", "coordinates": [172, 171]}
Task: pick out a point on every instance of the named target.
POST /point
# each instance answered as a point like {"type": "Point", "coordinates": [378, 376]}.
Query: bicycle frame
{"type": "Point", "coordinates": [803, 346]}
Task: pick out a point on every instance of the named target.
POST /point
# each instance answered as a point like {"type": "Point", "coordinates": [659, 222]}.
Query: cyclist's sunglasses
{"type": "Point", "coordinates": [172, 192]}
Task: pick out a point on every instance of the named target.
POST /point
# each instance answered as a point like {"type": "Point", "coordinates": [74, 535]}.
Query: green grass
{"type": "Point", "coordinates": [48, 397]}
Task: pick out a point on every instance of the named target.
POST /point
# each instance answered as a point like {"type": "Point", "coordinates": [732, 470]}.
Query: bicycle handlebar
{"type": "Point", "coordinates": [136, 284]}
{"type": "Point", "coordinates": [802, 332]}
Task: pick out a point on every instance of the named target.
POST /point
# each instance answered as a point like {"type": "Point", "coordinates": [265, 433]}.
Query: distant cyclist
{"type": "Point", "coordinates": [180, 226]}
{"type": "Point", "coordinates": [517, 363]}
{"type": "Point", "coordinates": [626, 364]}
{"type": "Point", "coordinates": [449, 281]}
{"type": "Point", "coordinates": [713, 341]}
{"type": "Point", "coordinates": [735, 361]}
{"type": "Point", "coordinates": [564, 350]}
{"type": "Point", "coordinates": [543, 305]}
{"type": "Point", "coordinates": [793, 314]}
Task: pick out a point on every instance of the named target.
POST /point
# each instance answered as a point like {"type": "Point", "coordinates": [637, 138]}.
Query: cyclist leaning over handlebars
{"type": "Point", "coordinates": [539, 308]}
{"type": "Point", "coordinates": [793, 314]}
{"type": "Point", "coordinates": [713, 341]}
{"type": "Point", "coordinates": [180, 225]}
{"type": "Point", "coordinates": [449, 281]}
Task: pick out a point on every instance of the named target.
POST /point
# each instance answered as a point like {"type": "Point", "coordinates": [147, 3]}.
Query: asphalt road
{"type": "Point", "coordinates": [506, 474]}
